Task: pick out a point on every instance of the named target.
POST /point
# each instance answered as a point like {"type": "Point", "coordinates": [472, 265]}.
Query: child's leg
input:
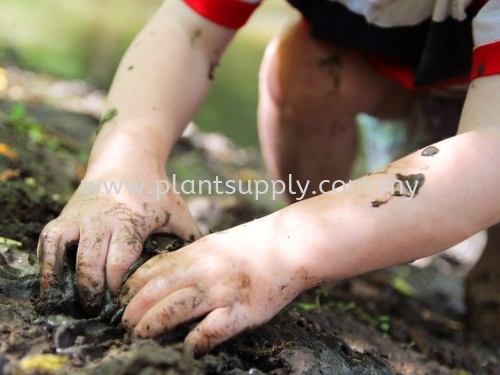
{"type": "Point", "coordinates": [482, 293]}
{"type": "Point", "coordinates": [310, 93]}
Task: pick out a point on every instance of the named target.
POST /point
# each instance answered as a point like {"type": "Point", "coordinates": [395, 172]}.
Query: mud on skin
{"type": "Point", "coordinates": [109, 115]}
{"type": "Point", "coordinates": [333, 65]}
{"type": "Point", "coordinates": [65, 318]}
{"type": "Point", "coordinates": [288, 344]}
{"type": "Point", "coordinates": [414, 180]}
{"type": "Point", "coordinates": [63, 297]}
{"type": "Point", "coordinates": [90, 297]}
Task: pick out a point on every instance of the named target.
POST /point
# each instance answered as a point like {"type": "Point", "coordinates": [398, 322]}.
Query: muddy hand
{"type": "Point", "coordinates": [235, 279]}
{"type": "Point", "coordinates": [110, 230]}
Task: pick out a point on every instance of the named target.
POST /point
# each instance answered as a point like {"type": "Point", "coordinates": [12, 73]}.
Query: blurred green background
{"type": "Point", "coordinates": [86, 39]}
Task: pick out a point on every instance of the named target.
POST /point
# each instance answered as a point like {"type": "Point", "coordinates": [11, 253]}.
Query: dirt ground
{"type": "Point", "coordinates": [403, 320]}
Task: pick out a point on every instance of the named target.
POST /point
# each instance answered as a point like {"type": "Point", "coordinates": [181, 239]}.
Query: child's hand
{"type": "Point", "coordinates": [236, 280]}
{"type": "Point", "coordinates": [110, 230]}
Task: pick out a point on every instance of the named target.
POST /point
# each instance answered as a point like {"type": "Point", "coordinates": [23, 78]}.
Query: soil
{"type": "Point", "coordinates": [402, 320]}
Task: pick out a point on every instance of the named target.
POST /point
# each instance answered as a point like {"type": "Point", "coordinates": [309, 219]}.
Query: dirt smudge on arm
{"type": "Point", "coordinates": [197, 33]}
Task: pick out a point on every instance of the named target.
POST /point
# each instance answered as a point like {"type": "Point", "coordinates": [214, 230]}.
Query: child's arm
{"type": "Point", "coordinates": [161, 82]}
{"type": "Point", "coordinates": [244, 276]}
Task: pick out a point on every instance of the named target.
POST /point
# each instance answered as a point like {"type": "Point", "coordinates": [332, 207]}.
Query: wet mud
{"type": "Point", "coordinates": [289, 344]}
{"type": "Point", "coordinates": [430, 151]}
{"type": "Point", "coordinates": [403, 320]}
{"type": "Point", "coordinates": [64, 298]}
{"type": "Point", "coordinates": [360, 326]}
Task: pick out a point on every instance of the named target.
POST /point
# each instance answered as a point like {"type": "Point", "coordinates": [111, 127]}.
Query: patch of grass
{"type": "Point", "coordinates": [85, 40]}
{"type": "Point", "coordinates": [70, 39]}
{"type": "Point", "coordinates": [37, 132]}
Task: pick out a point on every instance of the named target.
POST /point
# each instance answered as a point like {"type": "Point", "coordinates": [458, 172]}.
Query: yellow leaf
{"type": "Point", "coordinates": [9, 174]}
{"type": "Point", "coordinates": [7, 151]}
{"type": "Point", "coordinates": [43, 362]}
{"type": "Point", "coordinates": [9, 242]}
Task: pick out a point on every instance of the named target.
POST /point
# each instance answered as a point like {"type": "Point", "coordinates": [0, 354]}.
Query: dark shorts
{"type": "Point", "coordinates": [432, 53]}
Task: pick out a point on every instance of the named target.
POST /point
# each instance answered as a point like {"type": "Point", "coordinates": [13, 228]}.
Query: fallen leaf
{"type": "Point", "coordinates": [9, 242]}
{"type": "Point", "coordinates": [9, 174]}
{"type": "Point", "coordinates": [43, 362]}
{"type": "Point", "coordinates": [7, 151]}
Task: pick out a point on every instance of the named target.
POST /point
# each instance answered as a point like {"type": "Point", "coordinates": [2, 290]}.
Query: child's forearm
{"type": "Point", "coordinates": [336, 236]}
{"type": "Point", "coordinates": [160, 84]}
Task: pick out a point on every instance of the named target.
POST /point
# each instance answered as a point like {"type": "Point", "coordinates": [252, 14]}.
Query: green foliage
{"type": "Point", "coordinates": [317, 305]}
{"type": "Point", "coordinates": [366, 313]}
{"type": "Point", "coordinates": [17, 113]}
{"type": "Point", "coordinates": [35, 131]}
{"type": "Point", "coordinates": [55, 63]}
{"type": "Point", "coordinates": [400, 284]}
{"type": "Point", "coordinates": [108, 116]}
{"type": "Point", "coordinates": [383, 323]}
{"type": "Point", "coordinates": [86, 39]}
{"type": "Point", "coordinates": [307, 306]}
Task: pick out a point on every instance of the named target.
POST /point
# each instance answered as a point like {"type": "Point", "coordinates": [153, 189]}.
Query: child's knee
{"type": "Point", "coordinates": [305, 77]}
{"type": "Point", "coordinates": [286, 78]}
{"type": "Point", "coordinates": [300, 74]}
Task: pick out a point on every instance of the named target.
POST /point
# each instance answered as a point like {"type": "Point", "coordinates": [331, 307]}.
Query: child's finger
{"type": "Point", "coordinates": [218, 326]}
{"type": "Point", "coordinates": [182, 306]}
{"type": "Point", "coordinates": [52, 250]}
{"type": "Point", "coordinates": [90, 265]}
{"type": "Point", "coordinates": [125, 248]}
{"type": "Point", "coordinates": [154, 291]}
{"type": "Point", "coordinates": [181, 223]}
{"type": "Point", "coordinates": [150, 277]}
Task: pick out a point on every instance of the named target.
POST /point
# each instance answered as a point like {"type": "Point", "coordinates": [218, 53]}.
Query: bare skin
{"type": "Point", "coordinates": [134, 146]}
{"type": "Point", "coordinates": [110, 230]}
{"type": "Point", "coordinates": [310, 93]}
{"type": "Point", "coordinates": [306, 127]}
{"type": "Point", "coordinates": [236, 280]}
{"type": "Point", "coordinates": [236, 291]}
{"type": "Point", "coordinates": [313, 241]}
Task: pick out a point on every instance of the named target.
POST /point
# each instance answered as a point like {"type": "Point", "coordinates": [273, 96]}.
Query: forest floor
{"type": "Point", "coordinates": [402, 320]}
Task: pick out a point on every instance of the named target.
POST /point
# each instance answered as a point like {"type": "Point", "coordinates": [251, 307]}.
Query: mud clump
{"type": "Point", "coordinates": [20, 281]}
{"type": "Point", "coordinates": [24, 211]}
{"type": "Point", "coordinates": [72, 330]}
{"type": "Point", "coordinates": [287, 345]}
{"type": "Point", "coordinates": [290, 344]}
{"type": "Point", "coordinates": [63, 298]}
{"type": "Point", "coordinates": [417, 336]}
